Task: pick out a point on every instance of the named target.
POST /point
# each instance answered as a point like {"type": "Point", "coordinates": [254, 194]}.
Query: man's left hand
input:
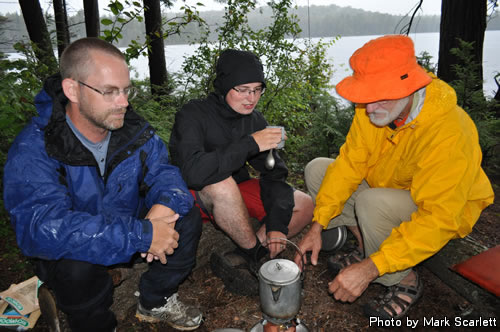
{"type": "Point", "coordinates": [353, 280]}
{"type": "Point", "coordinates": [275, 246]}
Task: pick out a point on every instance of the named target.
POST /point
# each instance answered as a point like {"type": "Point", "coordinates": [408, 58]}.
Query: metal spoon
{"type": "Point", "coordinates": [270, 160]}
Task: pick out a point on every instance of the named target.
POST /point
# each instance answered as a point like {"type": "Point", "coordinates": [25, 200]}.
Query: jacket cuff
{"type": "Point", "coordinates": [147, 235]}
{"type": "Point", "coordinates": [323, 222]}
{"type": "Point", "coordinates": [321, 219]}
{"type": "Point", "coordinates": [253, 147]}
{"type": "Point", "coordinates": [275, 226]}
{"type": "Point", "coordinates": [380, 262]}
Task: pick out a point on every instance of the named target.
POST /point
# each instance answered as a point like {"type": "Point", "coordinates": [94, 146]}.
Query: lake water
{"type": "Point", "coordinates": [340, 52]}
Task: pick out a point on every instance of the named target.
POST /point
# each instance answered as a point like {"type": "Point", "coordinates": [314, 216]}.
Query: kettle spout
{"type": "Point", "coordinates": [276, 291]}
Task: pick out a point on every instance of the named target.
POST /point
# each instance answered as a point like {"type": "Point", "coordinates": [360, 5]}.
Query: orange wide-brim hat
{"type": "Point", "coordinates": [384, 68]}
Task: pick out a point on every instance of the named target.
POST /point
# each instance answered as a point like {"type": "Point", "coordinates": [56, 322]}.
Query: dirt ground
{"type": "Point", "coordinates": [319, 311]}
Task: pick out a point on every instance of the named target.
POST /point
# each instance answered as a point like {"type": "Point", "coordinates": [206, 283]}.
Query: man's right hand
{"type": "Point", "coordinates": [268, 138]}
{"type": "Point", "coordinates": [165, 237]}
{"type": "Point", "coordinates": [353, 280]}
{"type": "Point", "coordinates": [310, 242]}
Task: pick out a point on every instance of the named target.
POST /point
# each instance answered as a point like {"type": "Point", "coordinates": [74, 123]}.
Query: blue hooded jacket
{"type": "Point", "coordinates": [60, 205]}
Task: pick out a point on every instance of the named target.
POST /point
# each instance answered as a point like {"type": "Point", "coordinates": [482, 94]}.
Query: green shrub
{"type": "Point", "coordinates": [159, 111]}
{"type": "Point", "coordinates": [20, 81]}
{"type": "Point", "coordinates": [481, 109]}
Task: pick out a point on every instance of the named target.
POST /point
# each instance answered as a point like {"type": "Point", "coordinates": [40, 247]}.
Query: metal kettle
{"type": "Point", "coordinates": [280, 287]}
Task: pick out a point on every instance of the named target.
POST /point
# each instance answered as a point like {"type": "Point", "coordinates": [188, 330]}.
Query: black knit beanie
{"type": "Point", "coordinates": [235, 68]}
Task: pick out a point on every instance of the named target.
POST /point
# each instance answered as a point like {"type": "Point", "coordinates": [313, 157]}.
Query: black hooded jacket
{"type": "Point", "coordinates": [210, 142]}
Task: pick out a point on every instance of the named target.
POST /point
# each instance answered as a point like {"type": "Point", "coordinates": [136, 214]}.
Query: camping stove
{"type": "Point", "coordinates": [268, 324]}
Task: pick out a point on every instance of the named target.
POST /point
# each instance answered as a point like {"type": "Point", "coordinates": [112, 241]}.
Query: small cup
{"type": "Point", "coordinates": [281, 144]}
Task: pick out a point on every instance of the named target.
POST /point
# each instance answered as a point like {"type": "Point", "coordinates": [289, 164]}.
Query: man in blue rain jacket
{"type": "Point", "coordinates": [88, 184]}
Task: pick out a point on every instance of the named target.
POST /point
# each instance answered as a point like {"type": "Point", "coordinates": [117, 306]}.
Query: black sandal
{"type": "Point", "coordinates": [382, 306]}
{"type": "Point", "coordinates": [340, 261]}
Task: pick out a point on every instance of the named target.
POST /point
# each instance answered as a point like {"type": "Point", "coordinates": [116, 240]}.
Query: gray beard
{"type": "Point", "coordinates": [391, 115]}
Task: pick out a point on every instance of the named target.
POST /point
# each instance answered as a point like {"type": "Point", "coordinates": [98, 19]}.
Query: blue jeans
{"type": "Point", "coordinates": [84, 291]}
{"type": "Point", "coordinates": [161, 281]}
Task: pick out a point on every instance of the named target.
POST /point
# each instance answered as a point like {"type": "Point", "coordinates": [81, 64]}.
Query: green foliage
{"type": "Point", "coordinates": [126, 12]}
{"type": "Point", "coordinates": [123, 16]}
{"type": "Point", "coordinates": [20, 80]}
{"type": "Point", "coordinates": [424, 60]}
{"type": "Point", "coordinates": [468, 84]}
{"type": "Point", "coordinates": [484, 112]}
{"type": "Point", "coordinates": [329, 126]}
{"type": "Point", "coordinates": [159, 111]}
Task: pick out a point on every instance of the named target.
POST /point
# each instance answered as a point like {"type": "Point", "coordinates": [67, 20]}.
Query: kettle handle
{"type": "Point", "coordinates": [302, 276]}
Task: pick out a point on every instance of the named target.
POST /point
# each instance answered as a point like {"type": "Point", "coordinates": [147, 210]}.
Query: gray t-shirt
{"type": "Point", "coordinates": [99, 149]}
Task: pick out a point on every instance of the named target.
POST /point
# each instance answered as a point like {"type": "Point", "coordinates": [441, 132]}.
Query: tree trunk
{"type": "Point", "coordinates": [91, 11]}
{"type": "Point", "coordinates": [462, 19]}
{"type": "Point", "coordinates": [156, 49]}
{"type": "Point", "coordinates": [497, 95]}
{"type": "Point", "coordinates": [61, 19]}
{"type": "Point", "coordinates": [37, 31]}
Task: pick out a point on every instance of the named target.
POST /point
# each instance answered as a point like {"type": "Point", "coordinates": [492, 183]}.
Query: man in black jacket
{"type": "Point", "coordinates": [212, 141]}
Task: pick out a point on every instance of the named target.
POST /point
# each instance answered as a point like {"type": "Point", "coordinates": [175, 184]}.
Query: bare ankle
{"type": "Point", "coordinates": [410, 279]}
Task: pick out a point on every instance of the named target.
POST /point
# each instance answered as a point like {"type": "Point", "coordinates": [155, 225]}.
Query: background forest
{"type": "Point", "coordinates": [329, 21]}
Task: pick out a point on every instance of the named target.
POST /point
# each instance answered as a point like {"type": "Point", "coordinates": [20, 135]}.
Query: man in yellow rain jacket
{"type": "Point", "coordinates": [407, 180]}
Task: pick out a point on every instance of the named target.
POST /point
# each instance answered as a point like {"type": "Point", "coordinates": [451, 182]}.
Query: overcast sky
{"type": "Point", "coordinates": [429, 7]}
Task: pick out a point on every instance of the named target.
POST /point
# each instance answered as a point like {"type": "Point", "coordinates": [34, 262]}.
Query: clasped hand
{"type": "Point", "coordinates": [165, 237]}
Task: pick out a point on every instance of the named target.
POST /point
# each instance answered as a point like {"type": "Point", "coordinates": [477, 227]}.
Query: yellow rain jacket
{"type": "Point", "coordinates": [436, 157]}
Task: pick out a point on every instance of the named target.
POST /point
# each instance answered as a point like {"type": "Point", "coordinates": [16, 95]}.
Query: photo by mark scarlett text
{"type": "Point", "coordinates": [434, 322]}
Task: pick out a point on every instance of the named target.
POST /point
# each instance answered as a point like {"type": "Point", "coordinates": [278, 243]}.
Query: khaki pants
{"type": "Point", "coordinates": [376, 211]}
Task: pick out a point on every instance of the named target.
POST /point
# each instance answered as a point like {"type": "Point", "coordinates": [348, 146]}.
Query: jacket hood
{"type": "Point", "coordinates": [51, 94]}
{"type": "Point", "coordinates": [439, 93]}
{"type": "Point", "coordinates": [236, 67]}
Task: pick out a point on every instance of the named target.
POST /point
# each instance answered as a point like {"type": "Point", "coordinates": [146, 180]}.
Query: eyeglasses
{"type": "Point", "coordinates": [247, 91]}
{"type": "Point", "coordinates": [112, 93]}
